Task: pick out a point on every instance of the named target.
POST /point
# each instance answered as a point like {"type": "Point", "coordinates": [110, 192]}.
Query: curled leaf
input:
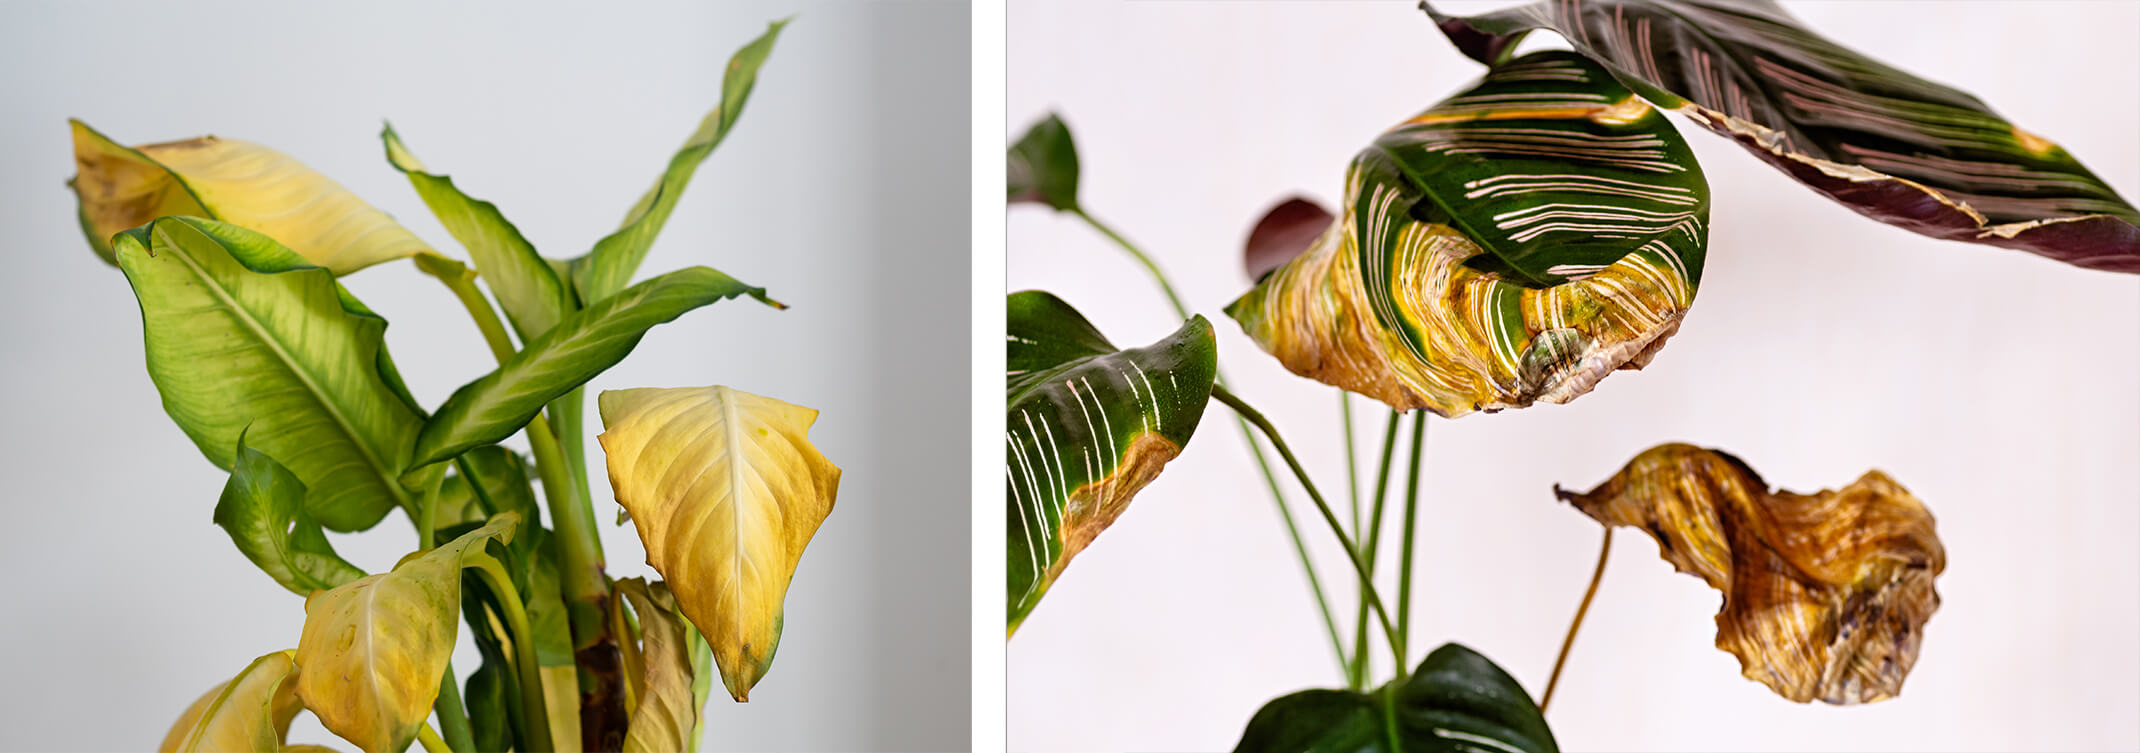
{"type": "Point", "coordinates": [726, 491]}
{"type": "Point", "coordinates": [1825, 594]}
{"type": "Point", "coordinates": [1286, 231]}
{"type": "Point", "coordinates": [1515, 243]}
{"type": "Point", "coordinates": [667, 713]}
{"type": "Point", "coordinates": [250, 712]}
{"type": "Point", "coordinates": [263, 510]}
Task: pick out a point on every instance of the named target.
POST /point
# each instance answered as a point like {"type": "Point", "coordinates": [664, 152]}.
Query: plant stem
{"type": "Point", "coordinates": [429, 738]}
{"type": "Point", "coordinates": [1352, 553]}
{"type": "Point", "coordinates": [479, 309]}
{"type": "Point", "coordinates": [525, 663]}
{"type": "Point", "coordinates": [1411, 520]}
{"type": "Point", "coordinates": [1149, 265]}
{"type": "Point", "coordinates": [1352, 459]}
{"type": "Point", "coordinates": [451, 716]}
{"type": "Point", "coordinates": [1553, 681]}
{"type": "Point", "coordinates": [1358, 674]}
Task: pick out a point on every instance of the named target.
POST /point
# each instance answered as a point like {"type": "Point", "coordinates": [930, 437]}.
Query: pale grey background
{"type": "Point", "coordinates": [2000, 387]}
{"type": "Point", "coordinates": [843, 190]}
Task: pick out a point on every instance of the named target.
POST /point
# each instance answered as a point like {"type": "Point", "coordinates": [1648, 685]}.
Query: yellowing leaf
{"type": "Point", "coordinates": [726, 490]}
{"type": "Point", "coordinates": [667, 711]}
{"type": "Point", "coordinates": [235, 181]}
{"type": "Point", "coordinates": [374, 649]}
{"type": "Point", "coordinates": [1825, 594]}
{"type": "Point", "coordinates": [250, 712]}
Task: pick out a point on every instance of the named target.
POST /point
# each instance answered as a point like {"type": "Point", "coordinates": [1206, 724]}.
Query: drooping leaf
{"type": "Point", "coordinates": [607, 268]}
{"type": "Point", "coordinates": [726, 491]}
{"type": "Point", "coordinates": [1825, 594]}
{"type": "Point", "coordinates": [582, 345]}
{"type": "Point", "coordinates": [237, 182]}
{"type": "Point", "coordinates": [1512, 244]}
{"type": "Point", "coordinates": [702, 672]}
{"type": "Point", "coordinates": [374, 650]}
{"type": "Point", "coordinates": [1288, 230]}
{"type": "Point", "coordinates": [1457, 701]}
{"type": "Point", "coordinates": [666, 715]}
{"type": "Point", "coordinates": [1892, 146]}
{"type": "Point", "coordinates": [250, 712]}
{"type": "Point", "coordinates": [502, 477]}
{"type": "Point", "coordinates": [241, 332]}
{"type": "Point", "coordinates": [1043, 166]}
{"type": "Point", "coordinates": [533, 298]}
{"type": "Point", "coordinates": [1089, 425]}
{"type": "Point", "coordinates": [263, 510]}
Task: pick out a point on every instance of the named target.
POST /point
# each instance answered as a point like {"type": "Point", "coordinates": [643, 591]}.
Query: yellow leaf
{"type": "Point", "coordinates": [667, 710]}
{"type": "Point", "coordinates": [1825, 594]}
{"type": "Point", "coordinates": [561, 700]}
{"type": "Point", "coordinates": [238, 182]}
{"type": "Point", "coordinates": [250, 712]}
{"type": "Point", "coordinates": [373, 650]}
{"type": "Point", "coordinates": [726, 490]}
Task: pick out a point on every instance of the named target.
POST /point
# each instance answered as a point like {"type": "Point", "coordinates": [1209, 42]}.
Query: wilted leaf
{"type": "Point", "coordinates": [250, 712]}
{"type": "Point", "coordinates": [1456, 702]}
{"type": "Point", "coordinates": [666, 714]}
{"type": "Point", "coordinates": [1890, 145]}
{"type": "Point", "coordinates": [1825, 594]}
{"type": "Point", "coordinates": [1286, 231]}
{"type": "Point", "coordinates": [373, 650]}
{"type": "Point", "coordinates": [263, 510]}
{"type": "Point", "coordinates": [241, 332]}
{"type": "Point", "coordinates": [237, 182]}
{"type": "Point", "coordinates": [1088, 426]}
{"type": "Point", "coordinates": [726, 490]}
{"type": "Point", "coordinates": [1043, 166]}
{"type": "Point", "coordinates": [1515, 243]}
{"type": "Point", "coordinates": [526, 287]}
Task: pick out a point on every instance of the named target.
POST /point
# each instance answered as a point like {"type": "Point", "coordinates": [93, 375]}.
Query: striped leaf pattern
{"type": "Point", "coordinates": [1457, 701]}
{"type": "Point", "coordinates": [1890, 145]}
{"type": "Point", "coordinates": [1512, 244]}
{"type": "Point", "coordinates": [1088, 426]}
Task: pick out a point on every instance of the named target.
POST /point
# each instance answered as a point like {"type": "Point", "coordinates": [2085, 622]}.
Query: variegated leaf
{"type": "Point", "coordinates": [1089, 426]}
{"type": "Point", "coordinates": [1892, 146]}
{"type": "Point", "coordinates": [1514, 243]}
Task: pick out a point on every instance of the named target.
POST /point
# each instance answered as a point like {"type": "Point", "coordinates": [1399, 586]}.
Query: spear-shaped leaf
{"type": "Point", "coordinates": [263, 510]}
{"type": "Point", "coordinates": [1892, 146]}
{"type": "Point", "coordinates": [1089, 425]}
{"type": "Point", "coordinates": [1514, 243]}
{"type": "Point", "coordinates": [235, 181]}
{"type": "Point", "coordinates": [1042, 166]}
{"type": "Point", "coordinates": [529, 291]}
{"type": "Point", "coordinates": [250, 712]}
{"type": "Point", "coordinates": [241, 332]}
{"type": "Point", "coordinates": [726, 491]}
{"type": "Point", "coordinates": [1457, 701]}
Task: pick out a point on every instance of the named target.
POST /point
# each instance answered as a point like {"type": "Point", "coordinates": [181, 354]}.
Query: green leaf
{"type": "Point", "coordinates": [1089, 426]}
{"type": "Point", "coordinates": [523, 281]}
{"type": "Point", "coordinates": [501, 477]}
{"type": "Point", "coordinates": [1043, 166]}
{"type": "Point", "coordinates": [1892, 146]}
{"type": "Point", "coordinates": [242, 332]}
{"type": "Point", "coordinates": [582, 345]}
{"type": "Point", "coordinates": [263, 510]}
{"type": "Point", "coordinates": [1515, 243]}
{"type": "Point", "coordinates": [489, 700]}
{"type": "Point", "coordinates": [1456, 702]}
{"type": "Point", "coordinates": [607, 268]}
{"type": "Point", "coordinates": [249, 712]}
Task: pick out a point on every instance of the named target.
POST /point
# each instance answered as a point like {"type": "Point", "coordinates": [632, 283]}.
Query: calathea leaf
{"type": "Point", "coordinates": [1043, 166]}
{"type": "Point", "coordinates": [606, 269]}
{"type": "Point", "coordinates": [1892, 146]}
{"type": "Point", "coordinates": [667, 713]}
{"type": "Point", "coordinates": [1825, 594]}
{"type": "Point", "coordinates": [235, 181]}
{"type": "Point", "coordinates": [1457, 701]}
{"type": "Point", "coordinates": [1514, 243]}
{"type": "Point", "coordinates": [373, 650]}
{"type": "Point", "coordinates": [250, 712]}
{"type": "Point", "coordinates": [726, 491]}
{"type": "Point", "coordinates": [583, 344]}
{"type": "Point", "coordinates": [263, 510]}
{"type": "Point", "coordinates": [1089, 425]}
{"type": "Point", "coordinates": [241, 332]}
{"type": "Point", "coordinates": [526, 287]}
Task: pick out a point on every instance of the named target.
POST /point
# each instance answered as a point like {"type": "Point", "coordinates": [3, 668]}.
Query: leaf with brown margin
{"type": "Point", "coordinates": [1825, 594]}
{"type": "Point", "coordinates": [249, 712]}
{"type": "Point", "coordinates": [666, 715]}
{"type": "Point", "coordinates": [726, 491]}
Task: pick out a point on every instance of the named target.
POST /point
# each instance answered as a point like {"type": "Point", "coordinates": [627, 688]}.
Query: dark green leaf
{"type": "Point", "coordinates": [1043, 166]}
{"type": "Point", "coordinates": [263, 510]}
{"type": "Point", "coordinates": [1089, 425]}
{"type": "Point", "coordinates": [502, 480]}
{"type": "Point", "coordinates": [523, 281]}
{"type": "Point", "coordinates": [1892, 146]}
{"type": "Point", "coordinates": [490, 705]}
{"type": "Point", "coordinates": [582, 345]}
{"type": "Point", "coordinates": [1456, 702]}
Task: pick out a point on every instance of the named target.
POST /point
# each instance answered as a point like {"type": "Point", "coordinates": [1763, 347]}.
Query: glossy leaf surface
{"type": "Point", "coordinates": [1886, 143]}
{"type": "Point", "coordinates": [726, 490]}
{"type": "Point", "coordinates": [243, 336]}
{"type": "Point", "coordinates": [1457, 701]}
{"type": "Point", "coordinates": [1515, 243]}
{"type": "Point", "coordinates": [237, 182]}
{"type": "Point", "coordinates": [667, 714]}
{"type": "Point", "coordinates": [1042, 166]}
{"type": "Point", "coordinates": [1089, 425]}
{"type": "Point", "coordinates": [263, 510]}
{"type": "Point", "coordinates": [526, 287]}
{"type": "Point", "coordinates": [1825, 594]}
{"type": "Point", "coordinates": [250, 712]}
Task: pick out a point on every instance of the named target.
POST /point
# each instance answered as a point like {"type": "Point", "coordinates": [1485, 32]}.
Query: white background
{"type": "Point", "coordinates": [2000, 387]}
{"type": "Point", "coordinates": [843, 190]}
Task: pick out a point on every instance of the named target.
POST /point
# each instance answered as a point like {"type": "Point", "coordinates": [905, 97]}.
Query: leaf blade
{"type": "Point", "coordinates": [251, 711]}
{"type": "Point", "coordinates": [523, 281]}
{"type": "Point", "coordinates": [263, 510]}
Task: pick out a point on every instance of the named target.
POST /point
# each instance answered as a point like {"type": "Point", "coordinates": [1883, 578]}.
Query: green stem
{"type": "Point", "coordinates": [525, 663]}
{"type": "Point", "coordinates": [1553, 681]}
{"type": "Point", "coordinates": [1149, 265]}
{"type": "Point", "coordinates": [479, 309]}
{"type": "Point", "coordinates": [1358, 675]}
{"type": "Point", "coordinates": [1352, 460]}
{"type": "Point", "coordinates": [1352, 553]}
{"type": "Point", "coordinates": [579, 548]}
{"type": "Point", "coordinates": [460, 736]}
{"type": "Point", "coordinates": [429, 738]}
{"type": "Point", "coordinates": [1404, 561]}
